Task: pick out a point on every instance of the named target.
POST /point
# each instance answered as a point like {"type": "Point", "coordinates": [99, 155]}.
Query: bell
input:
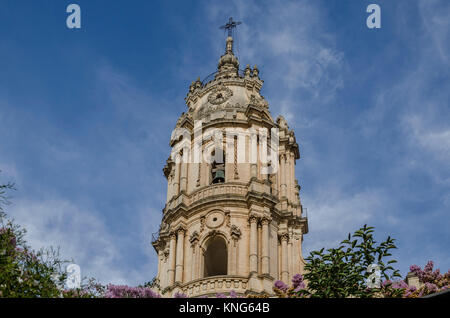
{"type": "Point", "coordinates": [219, 176]}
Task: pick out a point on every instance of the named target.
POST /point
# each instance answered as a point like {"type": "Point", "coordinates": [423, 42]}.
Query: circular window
{"type": "Point", "coordinates": [214, 219]}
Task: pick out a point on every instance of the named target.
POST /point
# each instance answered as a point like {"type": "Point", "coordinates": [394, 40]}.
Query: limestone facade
{"type": "Point", "coordinates": [232, 225]}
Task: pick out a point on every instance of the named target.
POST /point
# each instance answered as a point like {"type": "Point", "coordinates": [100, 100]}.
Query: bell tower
{"type": "Point", "coordinates": [233, 220]}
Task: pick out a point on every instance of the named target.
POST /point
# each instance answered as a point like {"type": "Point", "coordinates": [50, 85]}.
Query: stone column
{"type": "Point", "coordinates": [253, 244]}
{"type": "Point", "coordinates": [194, 260]}
{"type": "Point", "coordinates": [172, 251]}
{"type": "Point", "coordinates": [283, 175]}
{"type": "Point", "coordinates": [176, 181]}
{"type": "Point", "coordinates": [232, 263]}
{"type": "Point", "coordinates": [286, 176]}
{"type": "Point", "coordinates": [253, 154]}
{"type": "Point", "coordinates": [184, 172]}
{"type": "Point", "coordinates": [199, 170]}
{"type": "Point", "coordinates": [180, 256]}
{"type": "Point", "coordinates": [194, 255]}
{"type": "Point", "coordinates": [254, 171]}
{"type": "Point", "coordinates": [169, 187]}
{"type": "Point", "coordinates": [289, 176]}
{"type": "Point", "coordinates": [160, 259]}
{"type": "Point", "coordinates": [293, 186]}
{"type": "Point", "coordinates": [265, 246]}
{"type": "Point", "coordinates": [290, 255]}
{"type": "Point", "coordinates": [284, 258]}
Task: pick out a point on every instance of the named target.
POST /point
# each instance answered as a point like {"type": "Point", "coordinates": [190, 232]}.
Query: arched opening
{"type": "Point", "coordinates": [218, 167]}
{"type": "Point", "coordinates": [216, 257]}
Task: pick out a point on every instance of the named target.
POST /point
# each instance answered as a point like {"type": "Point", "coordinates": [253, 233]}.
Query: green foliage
{"type": "Point", "coordinates": [342, 271]}
{"type": "Point", "coordinates": [24, 272]}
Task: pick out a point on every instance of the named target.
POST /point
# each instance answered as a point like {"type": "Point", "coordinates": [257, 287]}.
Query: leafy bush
{"type": "Point", "coordinates": [23, 271]}
{"type": "Point", "coordinates": [342, 272]}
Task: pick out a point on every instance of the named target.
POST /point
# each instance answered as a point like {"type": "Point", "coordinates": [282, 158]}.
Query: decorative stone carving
{"type": "Point", "coordinates": [219, 95]}
{"type": "Point", "coordinates": [247, 71]}
{"type": "Point", "coordinates": [258, 101]}
{"type": "Point", "coordinates": [284, 237]}
{"type": "Point", "coordinates": [181, 228]}
{"type": "Point", "coordinates": [202, 223]}
{"type": "Point", "coordinates": [166, 254]}
{"type": "Point", "coordinates": [194, 238]}
{"type": "Point", "coordinates": [228, 218]}
{"type": "Point", "coordinates": [265, 220]}
{"type": "Point", "coordinates": [252, 218]}
{"type": "Point", "coordinates": [282, 122]}
{"type": "Point", "coordinates": [235, 232]}
{"type": "Point", "coordinates": [164, 227]}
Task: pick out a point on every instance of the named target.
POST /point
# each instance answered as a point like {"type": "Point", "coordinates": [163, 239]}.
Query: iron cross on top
{"type": "Point", "coordinates": [230, 25]}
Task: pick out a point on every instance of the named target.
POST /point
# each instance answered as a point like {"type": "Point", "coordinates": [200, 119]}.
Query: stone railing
{"type": "Point", "coordinates": [216, 284]}
{"type": "Point", "coordinates": [206, 192]}
{"type": "Point", "coordinates": [218, 189]}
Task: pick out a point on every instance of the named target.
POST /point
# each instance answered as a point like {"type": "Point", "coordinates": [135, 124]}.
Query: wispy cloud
{"type": "Point", "coordinates": [300, 68]}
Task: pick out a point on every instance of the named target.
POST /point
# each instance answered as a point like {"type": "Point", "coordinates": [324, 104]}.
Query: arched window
{"type": "Point", "coordinates": [218, 169]}
{"type": "Point", "coordinates": [215, 257]}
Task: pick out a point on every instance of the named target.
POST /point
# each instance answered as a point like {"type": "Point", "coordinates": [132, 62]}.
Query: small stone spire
{"type": "Point", "coordinates": [228, 62]}
{"type": "Point", "coordinates": [229, 46]}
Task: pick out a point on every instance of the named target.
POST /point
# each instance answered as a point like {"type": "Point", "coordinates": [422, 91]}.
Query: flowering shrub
{"type": "Point", "coordinates": [123, 291]}
{"type": "Point", "coordinates": [431, 281]}
{"type": "Point", "coordinates": [339, 272]}
{"type": "Point", "coordinates": [23, 271]}
{"type": "Point", "coordinates": [297, 290]}
{"type": "Point", "coordinates": [342, 271]}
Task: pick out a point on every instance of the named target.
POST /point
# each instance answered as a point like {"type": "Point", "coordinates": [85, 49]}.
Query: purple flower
{"type": "Point", "coordinates": [220, 295]}
{"type": "Point", "coordinates": [180, 295]}
{"type": "Point", "coordinates": [400, 285]}
{"type": "Point", "coordinates": [281, 286]}
{"type": "Point", "coordinates": [233, 294]}
{"type": "Point", "coordinates": [297, 280]}
{"type": "Point", "coordinates": [431, 287]}
{"type": "Point", "coordinates": [409, 291]}
{"type": "Point", "coordinates": [123, 291]}
{"type": "Point", "coordinates": [427, 274]}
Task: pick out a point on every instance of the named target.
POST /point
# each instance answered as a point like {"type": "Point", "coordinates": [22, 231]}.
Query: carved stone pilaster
{"type": "Point", "coordinates": [236, 173]}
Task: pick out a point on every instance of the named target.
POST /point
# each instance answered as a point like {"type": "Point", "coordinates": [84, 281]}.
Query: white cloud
{"type": "Point", "coordinates": [80, 234]}
{"type": "Point", "coordinates": [301, 67]}
{"type": "Point", "coordinates": [333, 214]}
{"type": "Point", "coordinates": [435, 15]}
{"type": "Point", "coordinates": [429, 138]}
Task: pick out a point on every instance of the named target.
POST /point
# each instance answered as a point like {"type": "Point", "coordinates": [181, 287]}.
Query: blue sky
{"type": "Point", "coordinates": [86, 115]}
